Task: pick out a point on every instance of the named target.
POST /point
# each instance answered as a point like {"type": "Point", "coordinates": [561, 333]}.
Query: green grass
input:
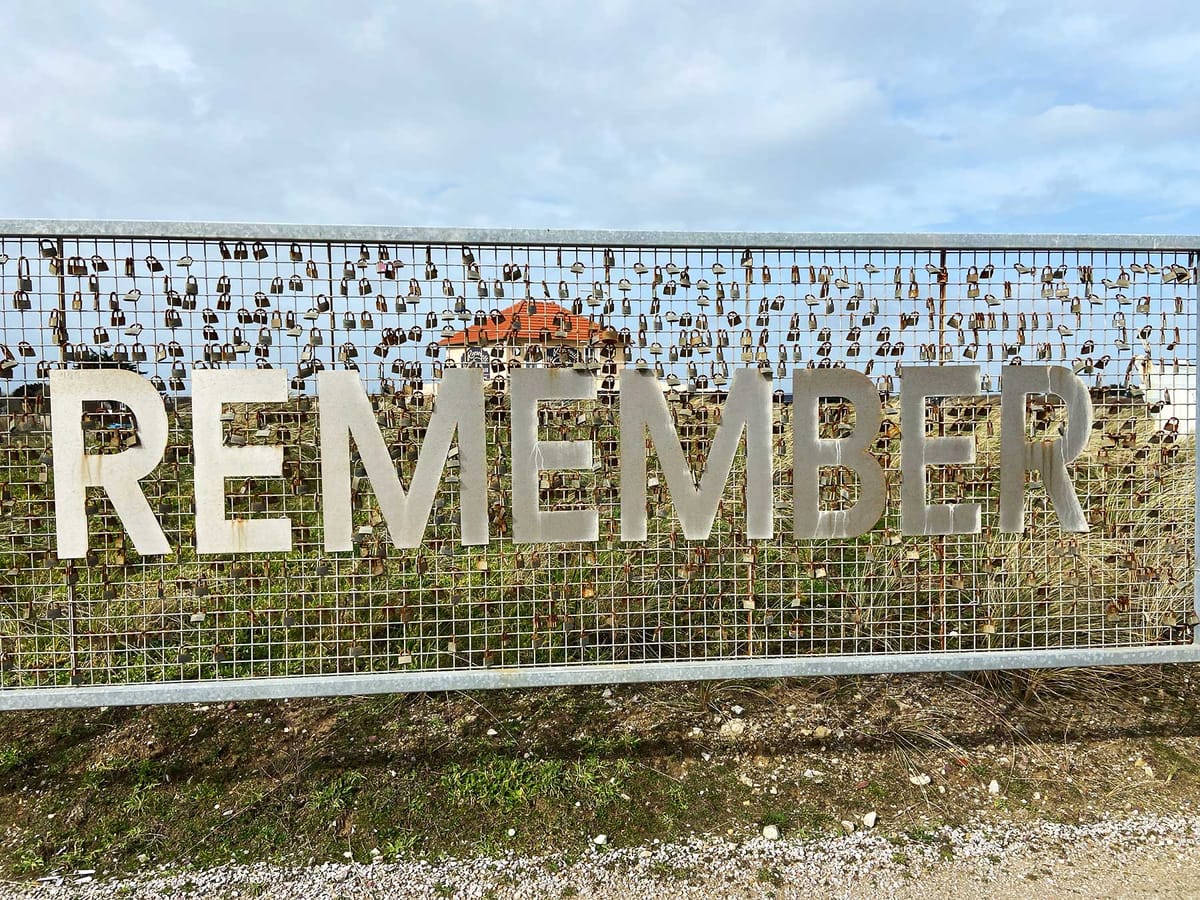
{"type": "Point", "coordinates": [11, 757]}
{"type": "Point", "coordinates": [336, 794]}
{"type": "Point", "coordinates": [771, 876]}
{"type": "Point", "coordinates": [1173, 760]}
{"type": "Point", "coordinates": [509, 784]}
{"type": "Point", "coordinates": [777, 817]}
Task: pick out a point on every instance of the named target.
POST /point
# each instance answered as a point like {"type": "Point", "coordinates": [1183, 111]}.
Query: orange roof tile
{"type": "Point", "coordinates": [546, 321]}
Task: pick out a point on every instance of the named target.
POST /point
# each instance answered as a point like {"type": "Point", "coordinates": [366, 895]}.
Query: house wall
{"type": "Point", "coordinates": [1174, 385]}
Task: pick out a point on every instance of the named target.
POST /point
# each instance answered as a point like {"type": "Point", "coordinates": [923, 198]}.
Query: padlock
{"type": "Point", "coordinates": [24, 279]}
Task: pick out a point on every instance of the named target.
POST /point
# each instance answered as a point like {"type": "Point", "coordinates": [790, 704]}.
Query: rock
{"type": "Point", "coordinates": [821, 732]}
{"type": "Point", "coordinates": [736, 710]}
{"type": "Point", "coordinates": [492, 732]}
{"type": "Point", "coordinates": [870, 819]}
{"type": "Point", "coordinates": [920, 780]}
{"type": "Point", "coordinates": [600, 840]}
{"type": "Point", "coordinates": [733, 728]}
{"type": "Point", "coordinates": [771, 832]}
{"type": "Point", "coordinates": [848, 826]}
{"type": "Point", "coordinates": [994, 787]}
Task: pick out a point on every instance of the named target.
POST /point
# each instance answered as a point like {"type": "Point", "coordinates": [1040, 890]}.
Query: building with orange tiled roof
{"type": "Point", "coordinates": [536, 333]}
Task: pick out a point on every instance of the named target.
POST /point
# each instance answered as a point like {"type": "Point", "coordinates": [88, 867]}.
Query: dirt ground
{"type": "Point", "coordinates": [423, 777]}
{"type": "Point", "coordinates": [1169, 874]}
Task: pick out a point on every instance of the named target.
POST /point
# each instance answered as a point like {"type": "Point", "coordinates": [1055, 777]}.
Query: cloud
{"type": "Point", "coordinates": [1002, 116]}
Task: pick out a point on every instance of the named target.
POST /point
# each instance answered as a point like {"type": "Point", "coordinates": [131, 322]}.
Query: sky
{"type": "Point", "coordinates": [794, 116]}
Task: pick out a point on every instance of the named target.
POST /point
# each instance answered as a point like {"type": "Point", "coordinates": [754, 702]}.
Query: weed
{"type": "Point", "coordinates": [1172, 759]}
{"type": "Point", "coordinates": [776, 817]}
{"type": "Point", "coordinates": [400, 844]}
{"type": "Point", "coordinates": [810, 822]}
{"type": "Point", "coordinates": [28, 862]}
{"type": "Point", "coordinates": [489, 845]}
{"type": "Point", "coordinates": [922, 835]}
{"type": "Point", "coordinates": [139, 798]}
{"type": "Point", "coordinates": [336, 793]}
{"type": "Point", "coordinates": [11, 757]}
{"type": "Point", "coordinates": [668, 871]}
{"type": "Point", "coordinates": [768, 875]}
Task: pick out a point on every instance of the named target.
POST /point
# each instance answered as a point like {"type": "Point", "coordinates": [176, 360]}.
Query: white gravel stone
{"type": "Point", "coordinates": [722, 867]}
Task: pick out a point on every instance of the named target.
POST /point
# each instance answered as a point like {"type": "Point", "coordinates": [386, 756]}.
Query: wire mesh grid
{"type": "Point", "coordinates": [403, 313]}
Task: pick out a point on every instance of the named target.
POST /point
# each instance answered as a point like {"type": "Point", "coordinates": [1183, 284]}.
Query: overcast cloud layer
{"type": "Point", "coordinates": [1039, 116]}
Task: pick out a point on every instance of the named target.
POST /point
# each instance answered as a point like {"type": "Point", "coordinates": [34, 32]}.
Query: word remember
{"type": "Point", "coordinates": [344, 412]}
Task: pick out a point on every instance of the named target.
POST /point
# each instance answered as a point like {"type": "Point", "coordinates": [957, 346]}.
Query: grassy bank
{"type": "Point", "coordinates": [547, 771]}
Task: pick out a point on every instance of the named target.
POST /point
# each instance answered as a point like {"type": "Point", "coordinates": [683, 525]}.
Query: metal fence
{"type": "Point", "coordinates": [404, 306]}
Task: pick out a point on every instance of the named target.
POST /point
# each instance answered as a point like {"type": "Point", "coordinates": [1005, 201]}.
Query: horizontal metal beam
{"type": "Point", "coordinates": [596, 238]}
{"type": "Point", "coordinates": [561, 676]}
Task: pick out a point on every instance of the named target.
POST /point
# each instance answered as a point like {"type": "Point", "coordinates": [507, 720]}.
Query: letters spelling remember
{"type": "Point", "coordinates": [344, 411]}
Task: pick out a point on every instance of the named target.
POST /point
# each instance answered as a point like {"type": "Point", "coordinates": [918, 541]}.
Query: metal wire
{"type": "Point", "coordinates": [401, 312]}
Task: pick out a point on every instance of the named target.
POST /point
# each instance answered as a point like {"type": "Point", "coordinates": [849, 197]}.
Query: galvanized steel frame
{"type": "Point", "coordinates": [555, 237]}
{"type": "Point", "coordinates": [350, 684]}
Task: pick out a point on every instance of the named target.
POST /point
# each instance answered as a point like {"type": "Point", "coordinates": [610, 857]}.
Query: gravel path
{"type": "Point", "coordinates": [1141, 856]}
